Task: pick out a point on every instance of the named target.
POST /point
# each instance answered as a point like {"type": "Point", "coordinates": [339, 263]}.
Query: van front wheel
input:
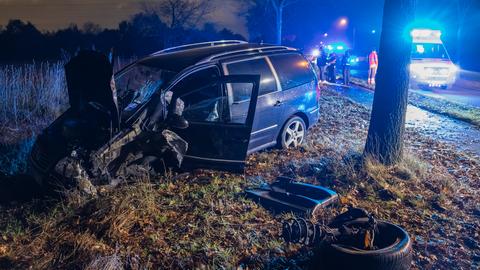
{"type": "Point", "coordinates": [293, 133]}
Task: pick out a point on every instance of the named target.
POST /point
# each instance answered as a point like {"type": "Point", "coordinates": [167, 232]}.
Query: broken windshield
{"type": "Point", "coordinates": [136, 85]}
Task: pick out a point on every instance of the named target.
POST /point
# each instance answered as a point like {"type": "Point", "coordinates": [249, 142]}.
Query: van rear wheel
{"type": "Point", "coordinates": [293, 133]}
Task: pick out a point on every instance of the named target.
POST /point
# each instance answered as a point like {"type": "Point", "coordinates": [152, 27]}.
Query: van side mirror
{"type": "Point", "coordinates": [176, 121]}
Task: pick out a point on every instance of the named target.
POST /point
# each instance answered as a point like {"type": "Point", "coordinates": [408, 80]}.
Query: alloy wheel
{"type": "Point", "coordinates": [294, 134]}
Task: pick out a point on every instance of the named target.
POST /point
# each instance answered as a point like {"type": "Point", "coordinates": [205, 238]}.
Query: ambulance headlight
{"type": "Point", "coordinates": [453, 69]}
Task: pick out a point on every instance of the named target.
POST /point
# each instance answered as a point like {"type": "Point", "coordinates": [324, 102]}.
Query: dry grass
{"type": "Point", "coordinates": [202, 220]}
{"type": "Point", "coordinates": [32, 96]}
{"type": "Point", "coordinates": [188, 221]}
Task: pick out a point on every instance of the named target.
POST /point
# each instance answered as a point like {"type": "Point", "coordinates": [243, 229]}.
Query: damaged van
{"type": "Point", "coordinates": [204, 105]}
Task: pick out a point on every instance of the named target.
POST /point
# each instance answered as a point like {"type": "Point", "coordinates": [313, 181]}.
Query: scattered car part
{"type": "Point", "coordinates": [286, 195]}
{"type": "Point", "coordinates": [354, 238]}
{"type": "Point", "coordinates": [74, 174]}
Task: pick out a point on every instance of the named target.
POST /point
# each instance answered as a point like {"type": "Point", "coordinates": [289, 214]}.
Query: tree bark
{"type": "Point", "coordinates": [279, 25]}
{"type": "Point", "coordinates": [387, 123]}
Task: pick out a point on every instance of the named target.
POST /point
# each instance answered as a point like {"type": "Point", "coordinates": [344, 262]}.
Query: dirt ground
{"type": "Point", "coordinates": [202, 219]}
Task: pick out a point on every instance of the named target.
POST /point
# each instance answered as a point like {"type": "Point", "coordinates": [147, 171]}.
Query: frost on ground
{"type": "Point", "coordinates": [202, 220]}
{"type": "Point", "coordinates": [463, 112]}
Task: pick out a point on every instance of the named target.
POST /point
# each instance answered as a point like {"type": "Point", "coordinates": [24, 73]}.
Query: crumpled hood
{"type": "Point", "coordinates": [88, 77]}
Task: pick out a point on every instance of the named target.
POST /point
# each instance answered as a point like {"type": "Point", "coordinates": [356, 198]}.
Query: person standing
{"type": "Point", "coordinates": [322, 64]}
{"type": "Point", "coordinates": [346, 68]}
{"type": "Point", "coordinates": [373, 66]}
{"type": "Point", "coordinates": [331, 62]}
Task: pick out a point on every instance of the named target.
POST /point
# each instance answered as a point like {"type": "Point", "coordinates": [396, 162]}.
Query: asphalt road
{"type": "Point", "coordinates": [466, 90]}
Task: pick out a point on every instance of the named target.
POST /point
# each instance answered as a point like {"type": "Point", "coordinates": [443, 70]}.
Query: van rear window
{"type": "Point", "coordinates": [293, 70]}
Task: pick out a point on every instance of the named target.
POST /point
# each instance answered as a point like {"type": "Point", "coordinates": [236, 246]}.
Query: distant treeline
{"type": "Point", "coordinates": [141, 35]}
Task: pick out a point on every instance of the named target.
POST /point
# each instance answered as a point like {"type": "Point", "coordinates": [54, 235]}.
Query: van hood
{"type": "Point", "coordinates": [88, 76]}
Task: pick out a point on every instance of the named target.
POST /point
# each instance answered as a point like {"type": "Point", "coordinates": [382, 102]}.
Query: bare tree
{"type": "Point", "coordinates": [278, 7]}
{"type": "Point", "coordinates": [179, 13]}
{"type": "Point", "coordinates": [387, 124]}
{"type": "Point", "coordinates": [91, 28]}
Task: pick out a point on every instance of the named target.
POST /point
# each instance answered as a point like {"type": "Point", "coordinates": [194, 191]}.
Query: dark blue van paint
{"type": "Point", "coordinates": [288, 88]}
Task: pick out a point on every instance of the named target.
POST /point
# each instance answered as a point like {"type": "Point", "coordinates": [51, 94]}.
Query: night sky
{"type": "Point", "coordinates": [305, 21]}
{"type": "Point", "coordinates": [55, 14]}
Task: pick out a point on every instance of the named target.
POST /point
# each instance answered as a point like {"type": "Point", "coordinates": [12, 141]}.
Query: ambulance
{"type": "Point", "coordinates": [431, 66]}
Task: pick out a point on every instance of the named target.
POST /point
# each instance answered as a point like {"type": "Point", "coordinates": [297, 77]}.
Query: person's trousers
{"type": "Point", "coordinates": [372, 73]}
{"type": "Point", "coordinates": [346, 75]}
{"type": "Point", "coordinates": [322, 70]}
{"type": "Point", "coordinates": [331, 74]}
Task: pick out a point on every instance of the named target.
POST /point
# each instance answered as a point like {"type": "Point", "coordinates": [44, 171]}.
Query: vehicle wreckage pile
{"type": "Point", "coordinates": [202, 219]}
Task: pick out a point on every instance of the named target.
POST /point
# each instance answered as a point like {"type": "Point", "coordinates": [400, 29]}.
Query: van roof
{"type": "Point", "coordinates": [177, 60]}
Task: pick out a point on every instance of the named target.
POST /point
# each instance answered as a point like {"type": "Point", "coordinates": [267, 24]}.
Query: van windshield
{"type": "Point", "coordinates": [136, 85]}
{"type": "Point", "coordinates": [429, 50]}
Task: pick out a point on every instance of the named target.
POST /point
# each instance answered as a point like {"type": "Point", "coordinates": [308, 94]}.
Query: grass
{"type": "Point", "coordinates": [462, 112]}
{"type": "Point", "coordinates": [32, 96]}
{"type": "Point", "coordinates": [198, 221]}
{"type": "Point", "coordinates": [202, 219]}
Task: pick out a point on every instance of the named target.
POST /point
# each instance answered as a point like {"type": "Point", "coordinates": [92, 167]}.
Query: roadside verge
{"type": "Point", "coordinates": [462, 112]}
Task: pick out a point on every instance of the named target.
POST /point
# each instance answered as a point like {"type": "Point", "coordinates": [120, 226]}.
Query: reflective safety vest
{"type": "Point", "coordinates": [373, 59]}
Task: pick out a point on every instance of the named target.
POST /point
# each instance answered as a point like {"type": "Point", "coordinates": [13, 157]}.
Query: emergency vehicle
{"type": "Point", "coordinates": [431, 65]}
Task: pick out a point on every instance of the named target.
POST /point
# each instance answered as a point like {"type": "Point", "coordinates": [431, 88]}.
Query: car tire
{"type": "Point", "coordinates": [395, 252]}
{"type": "Point", "coordinates": [293, 133]}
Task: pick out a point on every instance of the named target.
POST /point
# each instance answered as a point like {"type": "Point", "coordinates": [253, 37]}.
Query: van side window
{"type": "Point", "coordinates": [259, 66]}
{"type": "Point", "coordinates": [293, 70]}
{"type": "Point", "coordinates": [202, 101]}
{"type": "Point", "coordinates": [205, 104]}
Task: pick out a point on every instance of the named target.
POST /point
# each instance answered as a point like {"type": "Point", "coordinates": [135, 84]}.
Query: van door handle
{"type": "Point", "coordinates": [278, 103]}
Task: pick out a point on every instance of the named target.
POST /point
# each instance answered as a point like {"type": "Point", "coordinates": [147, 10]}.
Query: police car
{"type": "Point", "coordinates": [431, 65]}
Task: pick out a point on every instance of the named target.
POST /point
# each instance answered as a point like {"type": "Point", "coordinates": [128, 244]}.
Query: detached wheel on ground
{"type": "Point", "coordinates": [393, 251]}
{"type": "Point", "coordinates": [293, 133]}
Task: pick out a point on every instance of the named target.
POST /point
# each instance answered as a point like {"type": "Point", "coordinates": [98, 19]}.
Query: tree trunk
{"type": "Point", "coordinates": [387, 123]}
{"type": "Point", "coordinates": [279, 15]}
